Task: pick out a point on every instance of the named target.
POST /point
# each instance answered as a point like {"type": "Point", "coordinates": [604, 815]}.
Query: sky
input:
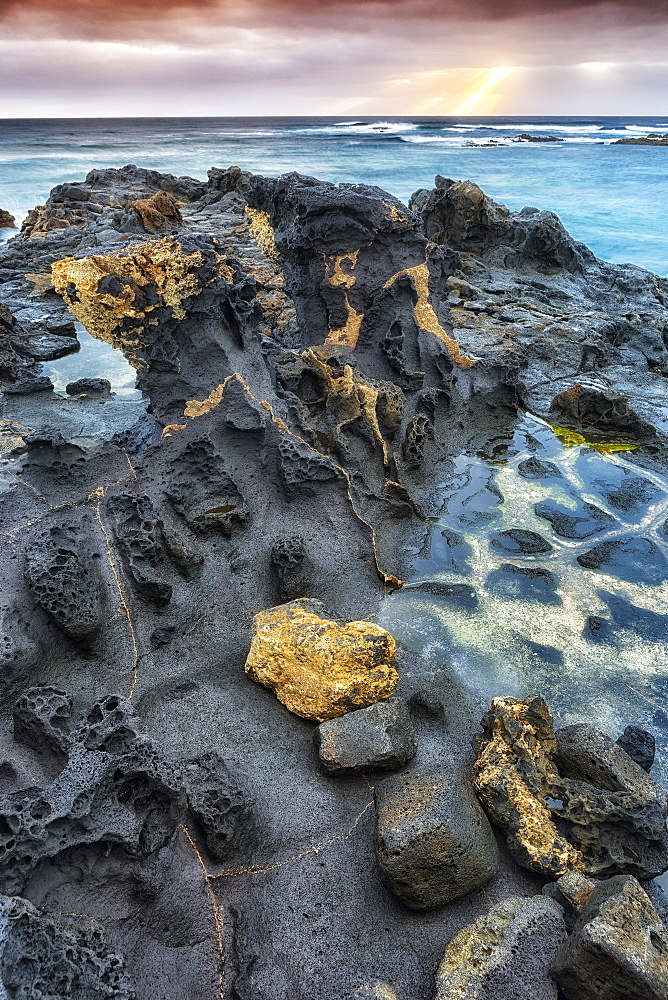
{"type": "Point", "coordinates": [101, 58]}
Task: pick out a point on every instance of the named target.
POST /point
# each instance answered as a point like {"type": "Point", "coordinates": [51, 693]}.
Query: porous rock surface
{"type": "Point", "coordinates": [639, 745]}
{"type": "Point", "coordinates": [310, 357]}
{"type": "Point", "coordinates": [571, 799]}
{"type": "Point", "coordinates": [41, 956]}
{"type": "Point", "coordinates": [505, 953]}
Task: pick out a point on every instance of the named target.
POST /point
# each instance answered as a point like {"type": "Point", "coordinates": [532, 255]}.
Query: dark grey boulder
{"type": "Point", "coordinates": [504, 954]}
{"type": "Point", "coordinates": [91, 386]}
{"type": "Point", "coordinates": [379, 736]}
{"type": "Point", "coordinates": [639, 745]}
{"type": "Point", "coordinates": [618, 949]}
{"type": "Point", "coordinates": [27, 385]}
{"type": "Point", "coordinates": [433, 840]}
{"type": "Point", "coordinates": [617, 812]}
{"type": "Point", "coordinates": [520, 541]}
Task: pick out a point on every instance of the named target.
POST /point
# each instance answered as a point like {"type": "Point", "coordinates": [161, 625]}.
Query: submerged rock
{"type": "Point", "coordinates": [433, 841]}
{"type": "Point", "coordinates": [505, 953]}
{"type": "Point", "coordinates": [520, 541]}
{"type": "Point", "coordinates": [573, 800]}
{"type": "Point", "coordinates": [379, 736]}
{"type": "Point", "coordinates": [638, 560]}
{"type": "Point", "coordinates": [316, 667]}
{"type": "Point", "coordinates": [618, 949]}
{"type": "Point", "coordinates": [581, 521]}
{"type": "Point", "coordinates": [527, 583]}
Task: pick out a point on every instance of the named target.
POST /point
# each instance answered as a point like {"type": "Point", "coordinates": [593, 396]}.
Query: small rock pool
{"type": "Point", "coordinates": [545, 573]}
{"type": "Point", "coordinates": [94, 359]}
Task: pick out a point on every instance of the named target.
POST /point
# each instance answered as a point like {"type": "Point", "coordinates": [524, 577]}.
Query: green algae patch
{"type": "Point", "coordinates": [570, 439]}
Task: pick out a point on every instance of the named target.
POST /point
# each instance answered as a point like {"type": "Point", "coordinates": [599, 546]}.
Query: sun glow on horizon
{"type": "Point", "coordinates": [472, 91]}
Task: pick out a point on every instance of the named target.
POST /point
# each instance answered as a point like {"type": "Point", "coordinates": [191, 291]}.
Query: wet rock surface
{"type": "Point", "coordinates": [312, 358]}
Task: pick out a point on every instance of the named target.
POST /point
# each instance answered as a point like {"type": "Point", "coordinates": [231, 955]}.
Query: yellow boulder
{"type": "Point", "coordinates": [318, 668]}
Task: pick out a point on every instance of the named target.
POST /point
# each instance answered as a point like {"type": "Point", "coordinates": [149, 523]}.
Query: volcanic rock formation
{"type": "Point", "coordinates": [311, 358]}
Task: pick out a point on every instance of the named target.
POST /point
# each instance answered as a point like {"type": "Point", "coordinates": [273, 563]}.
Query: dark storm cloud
{"type": "Point", "coordinates": [91, 13]}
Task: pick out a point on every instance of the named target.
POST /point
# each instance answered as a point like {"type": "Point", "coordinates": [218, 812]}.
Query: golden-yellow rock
{"type": "Point", "coordinates": [316, 667]}
{"type": "Point", "coordinates": [514, 775]}
{"type": "Point", "coordinates": [159, 211]}
{"type": "Point", "coordinates": [116, 294]}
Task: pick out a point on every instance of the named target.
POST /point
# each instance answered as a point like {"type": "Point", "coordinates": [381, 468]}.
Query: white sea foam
{"type": "Point", "coordinates": [357, 128]}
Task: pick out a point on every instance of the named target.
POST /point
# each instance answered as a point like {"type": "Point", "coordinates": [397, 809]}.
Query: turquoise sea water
{"type": "Point", "coordinates": [614, 198]}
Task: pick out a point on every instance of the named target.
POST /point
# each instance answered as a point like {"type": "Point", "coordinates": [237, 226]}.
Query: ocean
{"type": "Point", "coordinates": [613, 198]}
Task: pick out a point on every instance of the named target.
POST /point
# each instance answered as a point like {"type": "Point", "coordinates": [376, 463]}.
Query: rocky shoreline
{"type": "Point", "coordinates": [221, 778]}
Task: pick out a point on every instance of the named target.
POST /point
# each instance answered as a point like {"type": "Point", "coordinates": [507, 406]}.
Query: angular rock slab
{"type": "Point", "coordinates": [505, 953]}
{"type": "Point", "coordinates": [433, 841]}
{"type": "Point", "coordinates": [618, 949]}
{"type": "Point", "coordinates": [573, 800]}
{"type": "Point", "coordinates": [379, 736]}
{"type": "Point", "coordinates": [317, 668]}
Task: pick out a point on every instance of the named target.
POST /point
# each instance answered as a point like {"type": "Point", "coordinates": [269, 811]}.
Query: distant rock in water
{"type": "Point", "coordinates": [526, 137]}
{"type": "Point", "coordinates": [6, 220]}
{"type": "Point", "coordinates": [651, 139]}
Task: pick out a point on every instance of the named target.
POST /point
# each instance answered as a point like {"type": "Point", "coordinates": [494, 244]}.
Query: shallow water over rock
{"type": "Point", "coordinates": [94, 359]}
{"type": "Point", "coordinates": [545, 573]}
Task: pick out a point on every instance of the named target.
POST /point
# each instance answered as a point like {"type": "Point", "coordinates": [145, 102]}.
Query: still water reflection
{"type": "Point", "coordinates": [546, 572]}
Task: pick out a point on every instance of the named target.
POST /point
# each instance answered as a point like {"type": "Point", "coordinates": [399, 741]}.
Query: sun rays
{"type": "Point", "coordinates": [462, 91]}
